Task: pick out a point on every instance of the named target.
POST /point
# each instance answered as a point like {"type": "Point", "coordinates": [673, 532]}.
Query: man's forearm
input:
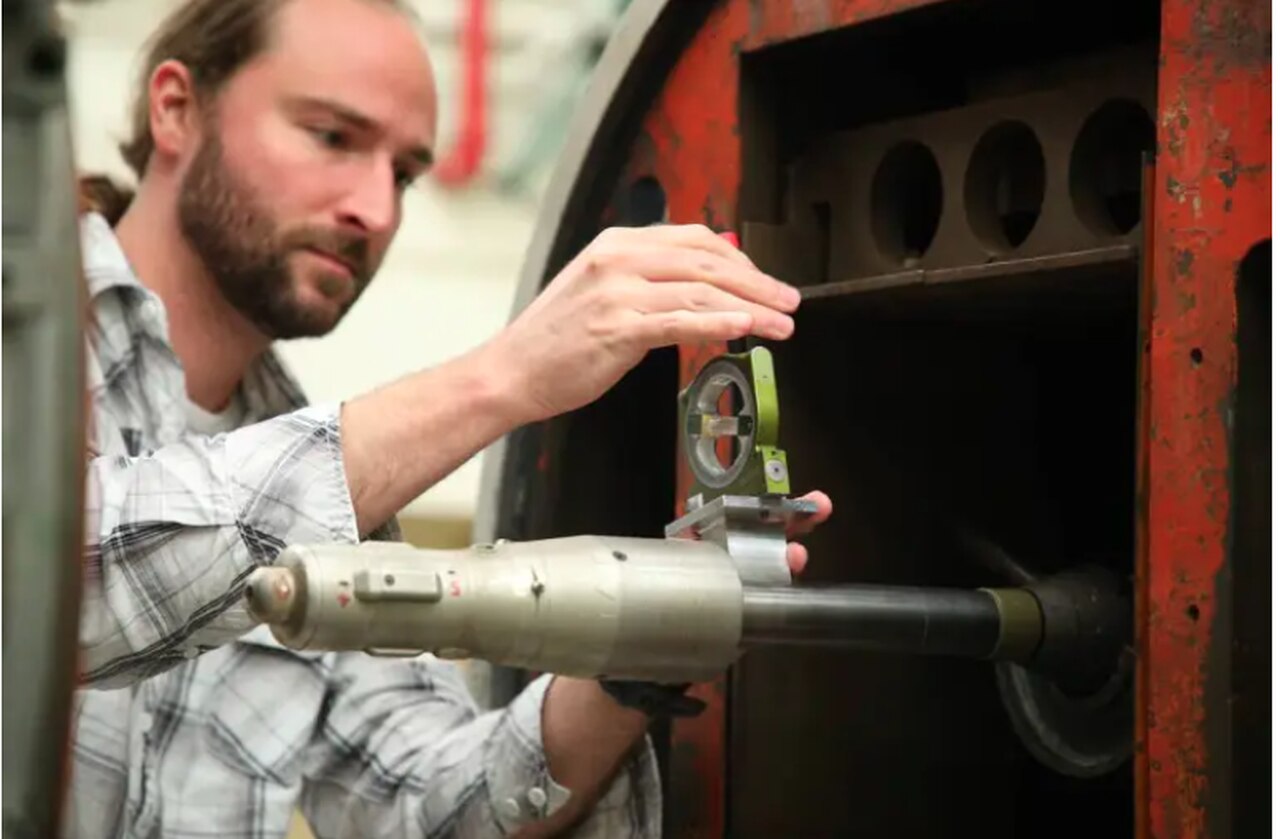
{"type": "Point", "coordinates": [403, 438]}
{"type": "Point", "coordinates": [586, 736]}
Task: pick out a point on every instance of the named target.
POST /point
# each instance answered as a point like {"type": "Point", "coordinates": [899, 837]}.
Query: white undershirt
{"type": "Point", "coordinates": [208, 424]}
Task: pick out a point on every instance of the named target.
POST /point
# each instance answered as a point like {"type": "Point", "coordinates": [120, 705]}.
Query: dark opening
{"type": "Point", "coordinates": [919, 414]}
{"type": "Point", "coordinates": [1004, 186]}
{"type": "Point", "coordinates": [977, 49]}
{"type": "Point", "coordinates": [1250, 552]}
{"type": "Point", "coordinates": [646, 203]}
{"type": "Point", "coordinates": [906, 202]}
{"type": "Point", "coordinates": [1106, 166]}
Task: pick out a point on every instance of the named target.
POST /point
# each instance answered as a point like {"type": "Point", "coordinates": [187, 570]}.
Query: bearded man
{"type": "Point", "coordinates": [273, 141]}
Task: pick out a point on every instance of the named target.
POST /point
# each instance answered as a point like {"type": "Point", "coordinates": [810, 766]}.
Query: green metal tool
{"type": "Point", "coordinates": [756, 466]}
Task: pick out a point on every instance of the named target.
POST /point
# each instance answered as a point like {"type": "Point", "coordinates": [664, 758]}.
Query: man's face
{"type": "Point", "coordinates": [294, 193]}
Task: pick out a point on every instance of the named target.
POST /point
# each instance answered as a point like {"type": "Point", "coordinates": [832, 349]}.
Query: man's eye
{"type": "Point", "coordinates": [330, 137]}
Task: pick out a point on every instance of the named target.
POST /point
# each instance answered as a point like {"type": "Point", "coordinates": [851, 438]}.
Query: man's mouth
{"type": "Point", "coordinates": [334, 261]}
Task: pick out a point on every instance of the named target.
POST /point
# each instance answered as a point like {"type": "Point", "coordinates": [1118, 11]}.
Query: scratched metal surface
{"type": "Point", "coordinates": [1212, 205]}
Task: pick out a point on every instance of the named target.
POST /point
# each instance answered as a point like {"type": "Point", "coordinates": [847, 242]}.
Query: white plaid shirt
{"type": "Point", "coordinates": [190, 727]}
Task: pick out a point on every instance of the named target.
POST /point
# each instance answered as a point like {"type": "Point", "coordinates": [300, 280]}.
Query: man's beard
{"type": "Point", "coordinates": [246, 253]}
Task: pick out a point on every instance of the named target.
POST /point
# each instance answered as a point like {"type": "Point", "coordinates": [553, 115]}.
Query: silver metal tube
{"type": "Point", "coordinates": [664, 610]}
{"type": "Point", "coordinates": [957, 622]}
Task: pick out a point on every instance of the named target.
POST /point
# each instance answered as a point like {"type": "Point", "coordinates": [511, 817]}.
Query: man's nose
{"type": "Point", "coordinates": [371, 200]}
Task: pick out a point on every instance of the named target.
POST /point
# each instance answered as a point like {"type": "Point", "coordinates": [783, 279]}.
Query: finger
{"type": "Point", "coordinates": [684, 327]}
{"type": "Point", "coordinates": [698, 297]}
{"type": "Point", "coordinates": [797, 558]}
{"type": "Point", "coordinates": [692, 236]}
{"type": "Point", "coordinates": [668, 264]}
{"type": "Point", "coordinates": [805, 524]}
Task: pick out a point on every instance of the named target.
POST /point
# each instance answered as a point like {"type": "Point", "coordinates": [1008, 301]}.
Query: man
{"type": "Point", "coordinates": [273, 140]}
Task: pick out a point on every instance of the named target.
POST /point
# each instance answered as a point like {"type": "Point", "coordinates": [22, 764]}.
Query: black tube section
{"type": "Point", "coordinates": [924, 621]}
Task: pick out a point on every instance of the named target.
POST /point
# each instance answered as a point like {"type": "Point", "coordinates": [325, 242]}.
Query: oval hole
{"type": "Point", "coordinates": [1106, 167]}
{"type": "Point", "coordinates": [906, 202]}
{"type": "Point", "coordinates": [646, 203]}
{"type": "Point", "coordinates": [1004, 186]}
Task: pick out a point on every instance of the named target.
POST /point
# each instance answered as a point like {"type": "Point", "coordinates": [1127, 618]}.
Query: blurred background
{"type": "Point", "coordinates": [449, 279]}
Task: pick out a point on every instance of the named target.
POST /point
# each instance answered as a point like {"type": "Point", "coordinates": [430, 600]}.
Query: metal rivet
{"type": "Point", "coordinates": [776, 470]}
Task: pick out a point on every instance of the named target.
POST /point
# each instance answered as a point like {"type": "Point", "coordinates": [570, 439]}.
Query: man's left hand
{"type": "Point", "coordinates": [798, 554]}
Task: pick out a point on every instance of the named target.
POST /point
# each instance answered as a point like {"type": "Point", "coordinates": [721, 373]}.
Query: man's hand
{"type": "Point", "coordinates": [797, 554]}
{"type": "Point", "coordinates": [632, 290]}
{"type": "Point", "coordinates": [629, 291]}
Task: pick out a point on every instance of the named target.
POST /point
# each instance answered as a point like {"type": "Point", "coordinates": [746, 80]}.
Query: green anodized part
{"type": "Point", "coordinates": [734, 397]}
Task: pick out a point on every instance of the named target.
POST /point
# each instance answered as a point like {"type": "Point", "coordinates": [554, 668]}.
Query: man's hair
{"type": "Point", "coordinates": [213, 39]}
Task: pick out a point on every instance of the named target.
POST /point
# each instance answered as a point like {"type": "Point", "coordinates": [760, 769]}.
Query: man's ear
{"type": "Point", "coordinates": [174, 110]}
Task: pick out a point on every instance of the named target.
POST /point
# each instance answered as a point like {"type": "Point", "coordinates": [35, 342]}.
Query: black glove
{"type": "Point", "coordinates": [653, 699]}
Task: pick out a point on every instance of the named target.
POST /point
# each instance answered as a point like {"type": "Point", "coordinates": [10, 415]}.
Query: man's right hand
{"type": "Point", "coordinates": [632, 290]}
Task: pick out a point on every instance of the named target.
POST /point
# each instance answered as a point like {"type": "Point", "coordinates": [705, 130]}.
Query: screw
{"type": "Point", "coordinates": [776, 470]}
{"type": "Point", "coordinates": [620, 556]}
{"type": "Point", "coordinates": [390, 579]}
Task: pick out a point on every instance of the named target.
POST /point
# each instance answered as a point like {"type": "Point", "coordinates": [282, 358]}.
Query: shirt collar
{"type": "Point", "coordinates": [270, 387]}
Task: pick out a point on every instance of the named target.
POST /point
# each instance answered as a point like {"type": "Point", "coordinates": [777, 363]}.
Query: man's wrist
{"type": "Point", "coordinates": [496, 382]}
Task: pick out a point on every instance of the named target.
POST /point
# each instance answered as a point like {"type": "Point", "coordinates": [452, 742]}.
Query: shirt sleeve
{"type": "Point", "coordinates": [172, 535]}
{"type": "Point", "coordinates": [404, 751]}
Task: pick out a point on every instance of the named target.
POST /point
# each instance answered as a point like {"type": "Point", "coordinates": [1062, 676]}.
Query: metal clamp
{"type": "Point", "coordinates": [751, 529]}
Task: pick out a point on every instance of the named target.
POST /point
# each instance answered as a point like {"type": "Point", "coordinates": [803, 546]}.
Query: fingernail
{"type": "Point", "coordinates": [790, 297]}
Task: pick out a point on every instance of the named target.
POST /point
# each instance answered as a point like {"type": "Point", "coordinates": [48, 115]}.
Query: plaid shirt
{"type": "Point", "coordinates": [194, 722]}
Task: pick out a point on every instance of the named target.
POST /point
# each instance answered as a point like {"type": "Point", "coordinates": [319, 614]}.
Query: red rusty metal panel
{"type": "Point", "coordinates": [1212, 203]}
{"type": "Point", "coordinates": [776, 21]}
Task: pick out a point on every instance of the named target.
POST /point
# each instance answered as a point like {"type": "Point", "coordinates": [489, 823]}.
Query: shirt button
{"type": "Point", "coordinates": [191, 652]}
{"type": "Point", "coordinates": [144, 721]}
{"type": "Point", "coordinates": [511, 808]}
{"type": "Point", "coordinates": [537, 798]}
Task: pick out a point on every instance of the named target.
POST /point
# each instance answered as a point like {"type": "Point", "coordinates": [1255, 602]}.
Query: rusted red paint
{"type": "Point", "coordinates": [773, 22]}
{"type": "Point", "coordinates": [1212, 203]}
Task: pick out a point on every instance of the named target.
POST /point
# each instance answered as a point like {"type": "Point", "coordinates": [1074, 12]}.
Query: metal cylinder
{"type": "Point", "coordinates": [982, 623]}
{"type": "Point", "coordinates": [653, 609]}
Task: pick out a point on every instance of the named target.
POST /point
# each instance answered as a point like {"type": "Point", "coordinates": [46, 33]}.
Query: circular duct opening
{"type": "Point", "coordinates": [906, 202]}
{"type": "Point", "coordinates": [646, 202]}
{"type": "Point", "coordinates": [1106, 167]}
{"type": "Point", "coordinates": [1004, 186]}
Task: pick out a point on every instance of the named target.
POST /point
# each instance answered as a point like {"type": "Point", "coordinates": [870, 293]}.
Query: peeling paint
{"type": "Point", "coordinates": [1214, 84]}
